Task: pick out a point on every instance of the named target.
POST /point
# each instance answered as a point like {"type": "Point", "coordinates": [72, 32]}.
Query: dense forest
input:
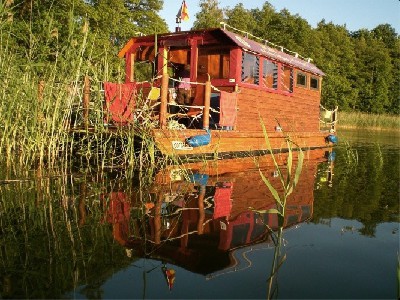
{"type": "Point", "coordinates": [362, 67]}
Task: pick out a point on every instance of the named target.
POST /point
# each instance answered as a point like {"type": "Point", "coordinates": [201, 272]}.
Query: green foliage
{"type": "Point", "coordinates": [362, 68]}
{"type": "Point", "coordinates": [241, 18]}
{"type": "Point", "coordinates": [210, 15]}
{"type": "Point", "coordinates": [42, 29]}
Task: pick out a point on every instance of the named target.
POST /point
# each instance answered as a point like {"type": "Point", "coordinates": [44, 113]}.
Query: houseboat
{"type": "Point", "coordinates": [218, 92]}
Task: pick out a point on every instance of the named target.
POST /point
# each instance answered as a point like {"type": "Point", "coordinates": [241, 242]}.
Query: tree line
{"type": "Point", "coordinates": [362, 67]}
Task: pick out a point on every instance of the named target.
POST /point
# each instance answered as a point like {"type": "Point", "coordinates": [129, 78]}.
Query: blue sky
{"type": "Point", "coordinates": [356, 14]}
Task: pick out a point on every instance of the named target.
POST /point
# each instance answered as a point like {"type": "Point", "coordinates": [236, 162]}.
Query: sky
{"type": "Point", "coordinates": [355, 14]}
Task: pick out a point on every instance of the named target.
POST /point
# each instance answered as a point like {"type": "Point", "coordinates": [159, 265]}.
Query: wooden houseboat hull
{"type": "Point", "coordinates": [223, 143]}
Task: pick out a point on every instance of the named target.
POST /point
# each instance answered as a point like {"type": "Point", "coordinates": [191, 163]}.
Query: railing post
{"type": "Point", "coordinates": [207, 99]}
{"type": "Point", "coordinates": [86, 99]}
{"type": "Point", "coordinates": [164, 92]}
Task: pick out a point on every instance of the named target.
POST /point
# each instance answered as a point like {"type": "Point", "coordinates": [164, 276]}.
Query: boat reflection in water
{"type": "Point", "coordinates": [205, 217]}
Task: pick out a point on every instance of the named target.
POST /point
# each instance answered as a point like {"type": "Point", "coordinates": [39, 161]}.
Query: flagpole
{"type": "Point", "coordinates": [178, 23]}
{"type": "Point", "coordinates": [182, 15]}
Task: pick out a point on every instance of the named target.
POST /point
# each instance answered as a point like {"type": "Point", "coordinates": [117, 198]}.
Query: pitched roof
{"type": "Point", "coordinates": [272, 53]}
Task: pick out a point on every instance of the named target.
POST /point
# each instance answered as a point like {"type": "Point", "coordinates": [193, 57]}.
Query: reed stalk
{"type": "Point", "coordinates": [289, 181]}
{"type": "Point", "coordinates": [288, 176]}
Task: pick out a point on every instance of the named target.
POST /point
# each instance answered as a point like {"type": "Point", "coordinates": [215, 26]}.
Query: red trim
{"type": "Point", "coordinates": [194, 53]}
{"type": "Point", "coordinates": [222, 82]}
{"type": "Point", "coordinates": [236, 64]}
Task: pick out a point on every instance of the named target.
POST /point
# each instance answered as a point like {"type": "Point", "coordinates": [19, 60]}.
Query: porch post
{"type": "Point", "coordinates": [164, 91]}
{"type": "Point", "coordinates": [207, 99]}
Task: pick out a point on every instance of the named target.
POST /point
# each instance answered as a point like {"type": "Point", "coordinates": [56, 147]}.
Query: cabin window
{"type": "Point", "coordinates": [301, 79]}
{"type": "Point", "coordinates": [314, 83]}
{"type": "Point", "coordinates": [250, 68]}
{"type": "Point", "coordinates": [213, 62]}
{"type": "Point", "coordinates": [270, 74]}
{"type": "Point", "coordinates": [286, 79]}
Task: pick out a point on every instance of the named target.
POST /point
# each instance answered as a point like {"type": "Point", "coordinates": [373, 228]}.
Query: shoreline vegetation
{"type": "Point", "coordinates": [359, 120]}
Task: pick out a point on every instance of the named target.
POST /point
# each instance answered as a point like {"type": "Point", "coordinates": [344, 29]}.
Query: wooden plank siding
{"type": "Point", "coordinates": [297, 112]}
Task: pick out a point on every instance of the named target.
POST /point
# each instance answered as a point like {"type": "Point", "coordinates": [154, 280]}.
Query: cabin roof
{"type": "Point", "coordinates": [272, 53]}
{"type": "Point", "coordinates": [236, 39]}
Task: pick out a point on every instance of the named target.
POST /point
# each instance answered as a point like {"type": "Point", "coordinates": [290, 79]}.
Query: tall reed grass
{"type": "Point", "coordinates": [40, 102]}
{"type": "Point", "coordinates": [368, 121]}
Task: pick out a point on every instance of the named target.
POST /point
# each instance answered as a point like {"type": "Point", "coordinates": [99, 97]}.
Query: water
{"type": "Point", "coordinates": [87, 235]}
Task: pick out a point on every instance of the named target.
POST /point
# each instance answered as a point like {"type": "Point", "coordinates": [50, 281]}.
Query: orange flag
{"type": "Point", "coordinates": [183, 12]}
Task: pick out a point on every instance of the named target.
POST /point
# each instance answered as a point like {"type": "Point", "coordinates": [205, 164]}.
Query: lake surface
{"type": "Point", "coordinates": [206, 231]}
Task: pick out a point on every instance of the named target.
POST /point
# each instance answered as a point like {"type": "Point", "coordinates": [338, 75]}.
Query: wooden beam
{"type": "Point", "coordinates": [194, 53]}
{"type": "Point", "coordinates": [131, 67]}
{"type": "Point", "coordinates": [164, 90]}
{"type": "Point", "coordinates": [207, 100]}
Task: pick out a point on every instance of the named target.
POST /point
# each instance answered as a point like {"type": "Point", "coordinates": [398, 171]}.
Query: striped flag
{"type": "Point", "coordinates": [183, 12]}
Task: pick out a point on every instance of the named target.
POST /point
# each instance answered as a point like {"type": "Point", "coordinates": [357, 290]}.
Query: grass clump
{"type": "Point", "coordinates": [41, 101]}
{"type": "Point", "coordinates": [368, 121]}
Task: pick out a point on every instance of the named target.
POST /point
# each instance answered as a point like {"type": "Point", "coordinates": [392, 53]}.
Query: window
{"type": "Point", "coordinates": [270, 74]}
{"type": "Point", "coordinates": [301, 79]}
{"type": "Point", "coordinates": [314, 83]}
{"type": "Point", "coordinates": [250, 68]}
{"type": "Point", "coordinates": [286, 79]}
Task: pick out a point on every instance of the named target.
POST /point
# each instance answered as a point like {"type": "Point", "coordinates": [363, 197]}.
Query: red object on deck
{"type": "Point", "coordinates": [227, 109]}
{"type": "Point", "coordinates": [120, 101]}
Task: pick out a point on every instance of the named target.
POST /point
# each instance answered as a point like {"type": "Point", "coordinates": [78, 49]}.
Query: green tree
{"type": "Point", "coordinates": [387, 34]}
{"type": "Point", "coordinates": [263, 18]}
{"type": "Point", "coordinates": [374, 73]}
{"type": "Point", "coordinates": [240, 18]}
{"type": "Point", "coordinates": [209, 16]}
{"type": "Point", "coordinates": [337, 60]}
{"type": "Point", "coordinates": [43, 30]}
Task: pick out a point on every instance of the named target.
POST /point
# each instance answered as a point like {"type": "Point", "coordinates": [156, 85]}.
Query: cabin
{"type": "Point", "coordinates": [217, 92]}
